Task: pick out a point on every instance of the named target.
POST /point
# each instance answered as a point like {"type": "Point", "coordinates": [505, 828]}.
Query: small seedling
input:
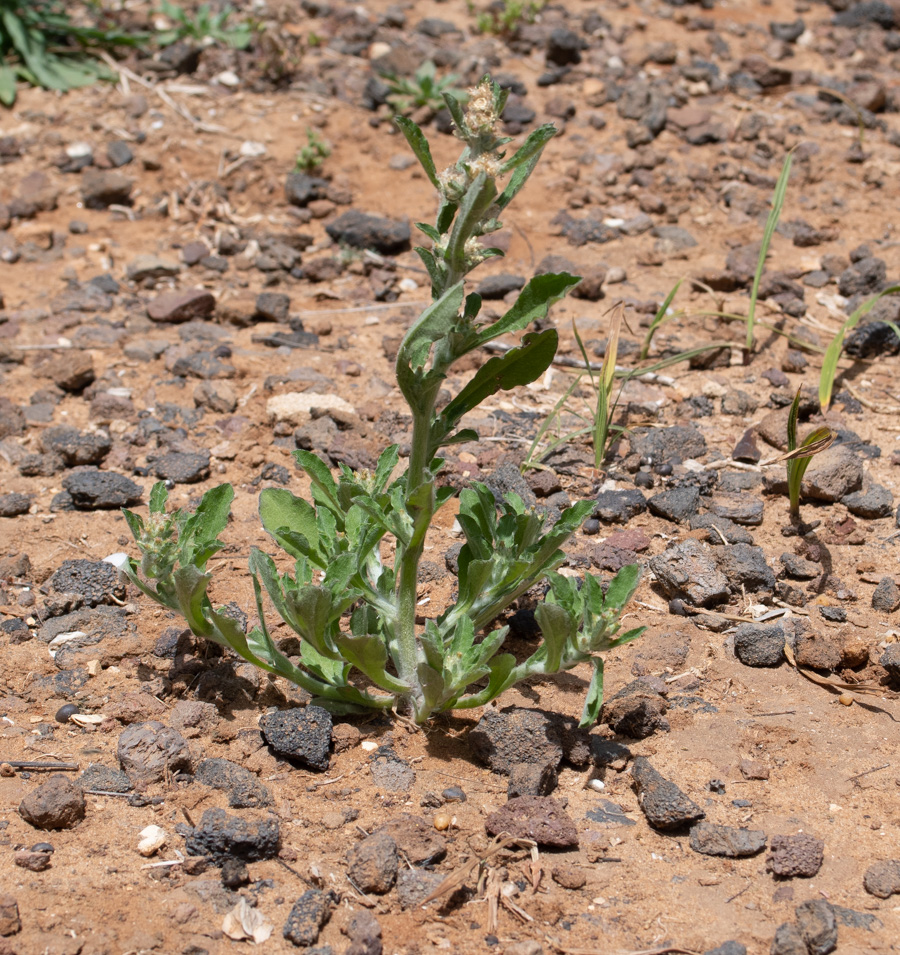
{"type": "Point", "coordinates": [423, 89]}
{"type": "Point", "coordinates": [314, 153]}
{"type": "Point", "coordinates": [602, 428]}
{"type": "Point", "coordinates": [204, 26]}
{"type": "Point", "coordinates": [506, 18]}
{"type": "Point", "coordinates": [353, 603]}
{"type": "Point", "coordinates": [662, 315]}
{"type": "Point", "coordinates": [768, 232]}
{"type": "Point", "coordinates": [41, 45]}
{"type": "Point", "coordinates": [799, 456]}
{"type": "Point", "coordinates": [836, 346]}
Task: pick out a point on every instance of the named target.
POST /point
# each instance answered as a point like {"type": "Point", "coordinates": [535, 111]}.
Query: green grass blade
{"type": "Point", "coordinates": [771, 224]}
{"type": "Point", "coordinates": [658, 319]}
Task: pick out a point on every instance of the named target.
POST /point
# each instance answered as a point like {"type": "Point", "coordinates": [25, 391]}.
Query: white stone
{"type": "Point", "coordinates": [295, 406]}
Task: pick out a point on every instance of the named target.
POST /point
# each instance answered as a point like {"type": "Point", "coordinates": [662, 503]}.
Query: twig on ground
{"type": "Point", "coordinates": [875, 769]}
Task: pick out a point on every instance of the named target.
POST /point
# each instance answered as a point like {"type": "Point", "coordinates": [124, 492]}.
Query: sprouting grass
{"type": "Point", "coordinates": [660, 317]}
{"type": "Point", "coordinates": [836, 346]}
{"type": "Point", "coordinates": [311, 156]}
{"type": "Point", "coordinates": [768, 232]}
{"type": "Point", "coordinates": [799, 456]}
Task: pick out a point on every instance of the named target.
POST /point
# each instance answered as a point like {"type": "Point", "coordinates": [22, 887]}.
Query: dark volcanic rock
{"type": "Point", "coordinates": [302, 734]}
{"type": "Point", "coordinates": [758, 645]}
{"type": "Point", "coordinates": [714, 840]}
{"type": "Point", "coordinates": [637, 710]}
{"type": "Point", "coordinates": [56, 804]}
{"type": "Point", "coordinates": [101, 188]}
{"type": "Point", "coordinates": [244, 790]}
{"type": "Point", "coordinates": [301, 189]}
{"type": "Point", "coordinates": [890, 660]}
{"type": "Point", "coordinates": [531, 779]}
{"type": "Point", "coordinates": [92, 490]}
{"type": "Point", "coordinates": [745, 568]}
{"type": "Point", "coordinates": [220, 834]}
{"type": "Point", "coordinates": [663, 803]}
{"type": "Point", "coordinates": [505, 738]}
{"type": "Point", "coordinates": [182, 467]}
{"type": "Point", "coordinates": [788, 941]}
{"type": "Point", "coordinates": [362, 231]}
{"type": "Point", "coordinates": [95, 580]}
{"type": "Point", "coordinates": [618, 507]}
{"type": "Point", "coordinates": [307, 917]}
{"type": "Point", "coordinates": [534, 817]}
{"type": "Point", "coordinates": [873, 502]}
{"type": "Point", "coordinates": [688, 570]}
{"type": "Point", "coordinates": [13, 504]}
{"type": "Point", "coordinates": [677, 504]}
{"type": "Point", "coordinates": [791, 856]}
{"type": "Point", "coordinates": [76, 447]}
{"type": "Point", "coordinates": [391, 771]}
{"type": "Point", "coordinates": [817, 925]}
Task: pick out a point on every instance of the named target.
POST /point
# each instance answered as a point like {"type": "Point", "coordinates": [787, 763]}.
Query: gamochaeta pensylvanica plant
{"type": "Point", "coordinates": [355, 611]}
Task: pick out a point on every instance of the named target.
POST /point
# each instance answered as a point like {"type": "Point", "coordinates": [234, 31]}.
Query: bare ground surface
{"type": "Point", "coordinates": [830, 763]}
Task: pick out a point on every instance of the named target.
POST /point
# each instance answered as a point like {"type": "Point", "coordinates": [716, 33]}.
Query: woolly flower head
{"type": "Point", "coordinates": [488, 164]}
{"type": "Point", "coordinates": [480, 114]}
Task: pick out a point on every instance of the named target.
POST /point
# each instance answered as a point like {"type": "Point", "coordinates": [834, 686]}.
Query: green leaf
{"type": "Point", "coordinates": [518, 366]}
{"type": "Point", "coordinates": [197, 539]}
{"type": "Point", "coordinates": [280, 510]}
{"type": "Point", "coordinates": [429, 230]}
{"type": "Point", "coordinates": [557, 629]}
{"type": "Point", "coordinates": [461, 437]}
{"type": "Point", "coordinates": [622, 586]}
{"type": "Point", "coordinates": [594, 699]}
{"type": "Point", "coordinates": [530, 150]}
{"type": "Point", "coordinates": [793, 415]}
{"type": "Point", "coordinates": [158, 497]}
{"type": "Point", "coordinates": [320, 476]}
{"type": "Point", "coordinates": [431, 266]}
{"type": "Point", "coordinates": [456, 111]}
{"type": "Point", "coordinates": [419, 145]}
{"type": "Point", "coordinates": [369, 655]}
{"type": "Point", "coordinates": [134, 521]}
{"type": "Point", "coordinates": [7, 85]}
{"type": "Point", "coordinates": [533, 303]}
{"type": "Point", "coordinates": [387, 461]}
{"type": "Point", "coordinates": [434, 324]}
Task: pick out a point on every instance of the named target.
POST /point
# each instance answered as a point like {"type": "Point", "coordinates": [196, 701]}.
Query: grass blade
{"type": "Point", "coordinates": [771, 224]}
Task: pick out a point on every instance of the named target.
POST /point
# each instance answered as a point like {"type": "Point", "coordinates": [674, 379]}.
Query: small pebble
{"type": "Point", "coordinates": [442, 821]}
{"type": "Point", "coordinates": [846, 699]}
{"type": "Point", "coordinates": [65, 712]}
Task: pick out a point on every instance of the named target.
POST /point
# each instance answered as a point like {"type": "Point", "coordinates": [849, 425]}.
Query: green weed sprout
{"type": "Point", "coordinates": [41, 45]}
{"type": "Point", "coordinates": [660, 317]}
{"type": "Point", "coordinates": [768, 232]}
{"type": "Point", "coordinates": [423, 89]}
{"type": "Point", "coordinates": [799, 456]}
{"type": "Point", "coordinates": [313, 154]}
{"type": "Point", "coordinates": [204, 26]}
{"type": "Point", "coordinates": [506, 18]}
{"type": "Point", "coordinates": [353, 609]}
{"type": "Point", "coordinates": [836, 346]}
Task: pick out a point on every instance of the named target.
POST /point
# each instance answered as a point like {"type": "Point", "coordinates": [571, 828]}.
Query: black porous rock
{"type": "Point", "coordinates": [759, 645]}
{"type": "Point", "coordinates": [91, 490]}
{"type": "Point", "coordinates": [872, 340]}
{"type": "Point", "coordinates": [13, 504]}
{"type": "Point", "coordinates": [731, 947]}
{"type": "Point", "coordinates": [662, 802]}
{"type": "Point", "coordinates": [871, 503]}
{"type": "Point", "coordinates": [788, 941]}
{"type": "Point", "coordinates": [104, 779]}
{"type": "Point", "coordinates": [95, 580]}
{"type": "Point", "coordinates": [886, 598]}
{"type": "Point", "coordinates": [220, 834]}
{"type": "Point", "coordinates": [302, 734]}
{"type": "Point", "coordinates": [308, 916]}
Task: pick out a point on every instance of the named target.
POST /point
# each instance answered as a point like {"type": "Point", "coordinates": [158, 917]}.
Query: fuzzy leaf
{"type": "Point", "coordinates": [475, 203]}
{"type": "Point", "coordinates": [534, 302]}
{"type": "Point", "coordinates": [280, 510]}
{"type": "Point", "coordinates": [594, 699]}
{"type": "Point", "coordinates": [518, 366]}
{"type": "Point", "coordinates": [419, 145]}
{"type": "Point", "coordinates": [158, 497]}
{"type": "Point", "coordinates": [622, 586]}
